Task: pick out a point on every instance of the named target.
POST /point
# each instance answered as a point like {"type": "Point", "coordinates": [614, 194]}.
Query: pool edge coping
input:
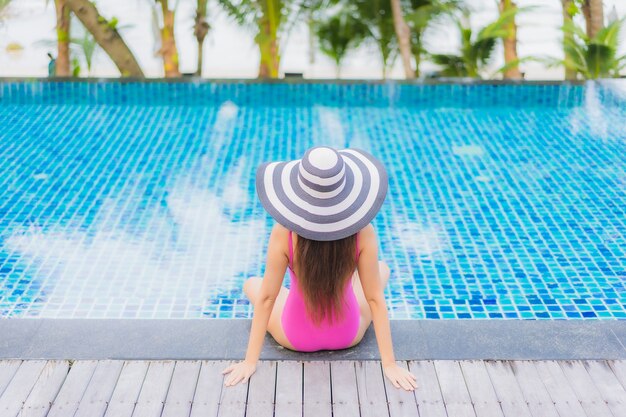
{"type": "Point", "coordinates": [423, 339]}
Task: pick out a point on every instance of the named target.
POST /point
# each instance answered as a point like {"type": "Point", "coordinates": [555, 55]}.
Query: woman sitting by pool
{"type": "Point", "coordinates": [328, 198]}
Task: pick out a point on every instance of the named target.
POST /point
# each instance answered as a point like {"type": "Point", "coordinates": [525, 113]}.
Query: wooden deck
{"type": "Point", "coordinates": [590, 388]}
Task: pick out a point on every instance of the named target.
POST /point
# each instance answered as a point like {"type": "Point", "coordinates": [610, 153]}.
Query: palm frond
{"type": "Point", "coordinates": [452, 65]}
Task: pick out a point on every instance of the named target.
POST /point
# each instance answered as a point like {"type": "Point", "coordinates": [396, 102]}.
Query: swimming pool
{"type": "Point", "coordinates": [130, 200]}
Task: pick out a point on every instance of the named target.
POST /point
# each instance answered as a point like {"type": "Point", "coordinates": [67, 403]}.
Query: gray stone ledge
{"type": "Point", "coordinates": [225, 339]}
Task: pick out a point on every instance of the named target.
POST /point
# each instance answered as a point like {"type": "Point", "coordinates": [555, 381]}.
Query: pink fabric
{"type": "Point", "coordinates": [302, 333]}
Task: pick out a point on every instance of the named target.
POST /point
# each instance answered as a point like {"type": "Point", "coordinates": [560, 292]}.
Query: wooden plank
{"type": "Point", "coordinates": [428, 393]}
{"type": "Point", "coordinates": [371, 389]}
{"type": "Point", "coordinates": [262, 390]}
{"type": "Point", "coordinates": [21, 384]}
{"type": "Point", "coordinates": [584, 388]}
{"type": "Point", "coordinates": [46, 389]}
{"type": "Point", "coordinates": [507, 389]}
{"type": "Point", "coordinates": [98, 393]}
{"type": "Point", "coordinates": [610, 388]}
{"type": "Point", "coordinates": [317, 393]}
{"type": "Point", "coordinates": [127, 389]}
{"type": "Point", "coordinates": [619, 368]}
{"type": "Point", "coordinates": [344, 391]}
{"type": "Point", "coordinates": [154, 389]}
{"type": "Point", "coordinates": [559, 389]}
{"type": "Point", "coordinates": [67, 401]}
{"type": "Point", "coordinates": [233, 398]}
{"type": "Point", "coordinates": [480, 389]}
{"type": "Point", "coordinates": [288, 389]}
{"type": "Point", "coordinates": [182, 389]}
{"type": "Point", "coordinates": [7, 371]}
{"type": "Point", "coordinates": [453, 389]}
{"type": "Point", "coordinates": [533, 390]}
{"type": "Point", "coordinates": [401, 402]}
{"type": "Point", "coordinates": [209, 390]}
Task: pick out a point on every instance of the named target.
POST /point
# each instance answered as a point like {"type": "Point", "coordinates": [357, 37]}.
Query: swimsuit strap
{"type": "Point", "coordinates": [290, 251]}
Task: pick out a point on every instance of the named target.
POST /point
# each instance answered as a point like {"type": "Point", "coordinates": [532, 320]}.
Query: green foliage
{"type": "Point", "coordinates": [113, 23]}
{"type": "Point", "coordinates": [376, 17]}
{"type": "Point", "coordinates": [339, 33]}
{"type": "Point", "coordinates": [420, 15]}
{"type": "Point", "coordinates": [75, 67]}
{"type": "Point", "coordinates": [476, 49]}
{"type": "Point", "coordinates": [84, 44]}
{"type": "Point", "coordinates": [592, 57]}
{"type": "Point", "coordinates": [4, 6]}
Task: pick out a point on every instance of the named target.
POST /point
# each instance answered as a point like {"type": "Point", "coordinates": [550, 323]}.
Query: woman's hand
{"type": "Point", "coordinates": [400, 376]}
{"type": "Point", "coordinates": [239, 372]}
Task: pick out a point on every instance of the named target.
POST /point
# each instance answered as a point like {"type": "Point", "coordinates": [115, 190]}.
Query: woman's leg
{"type": "Point", "coordinates": [251, 288]}
{"type": "Point", "coordinates": [366, 312]}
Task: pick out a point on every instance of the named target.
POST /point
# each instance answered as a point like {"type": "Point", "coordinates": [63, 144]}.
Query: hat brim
{"type": "Point", "coordinates": [353, 207]}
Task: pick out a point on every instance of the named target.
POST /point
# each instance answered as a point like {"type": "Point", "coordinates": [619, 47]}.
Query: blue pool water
{"type": "Point", "coordinates": [138, 201]}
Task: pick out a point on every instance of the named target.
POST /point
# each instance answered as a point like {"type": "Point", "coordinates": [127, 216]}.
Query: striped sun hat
{"type": "Point", "coordinates": [329, 194]}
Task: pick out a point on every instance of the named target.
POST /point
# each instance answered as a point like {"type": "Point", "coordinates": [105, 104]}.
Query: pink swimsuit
{"type": "Point", "coordinates": [302, 333]}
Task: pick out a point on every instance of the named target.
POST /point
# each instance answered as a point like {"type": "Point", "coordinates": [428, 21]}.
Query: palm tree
{"type": "Point", "coordinates": [63, 38]}
{"type": "Point", "coordinates": [167, 50]}
{"type": "Point", "coordinates": [200, 30]}
{"type": "Point", "coordinates": [378, 17]}
{"type": "Point", "coordinates": [338, 34]}
{"type": "Point", "coordinates": [266, 16]}
{"type": "Point", "coordinates": [404, 38]}
{"type": "Point", "coordinates": [510, 42]}
{"type": "Point", "coordinates": [593, 10]}
{"type": "Point", "coordinates": [593, 57]}
{"type": "Point", "coordinates": [420, 15]}
{"type": "Point", "coordinates": [106, 35]}
{"type": "Point", "coordinates": [569, 10]}
{"type": "Point", "coordinates": [476, 50]}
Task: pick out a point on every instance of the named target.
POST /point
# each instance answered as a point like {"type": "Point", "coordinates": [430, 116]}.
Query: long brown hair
{"type": "Point", "coordinates": [324, 267]}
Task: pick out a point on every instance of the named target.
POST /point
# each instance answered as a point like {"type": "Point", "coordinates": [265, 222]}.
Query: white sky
{"type": "Point", "coordinates": [231, 53]}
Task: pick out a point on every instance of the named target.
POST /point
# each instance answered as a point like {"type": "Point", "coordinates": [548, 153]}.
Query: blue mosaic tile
{"type": "Point", "coordinates": [130, 200]}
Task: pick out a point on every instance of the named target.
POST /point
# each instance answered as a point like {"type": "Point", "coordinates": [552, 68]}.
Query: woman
{"type": "Point", "coordinates": [323, 205]}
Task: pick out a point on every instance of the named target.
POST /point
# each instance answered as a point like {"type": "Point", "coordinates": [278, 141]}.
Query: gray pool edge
{"type": "Point", "coordinates": [227, 339]}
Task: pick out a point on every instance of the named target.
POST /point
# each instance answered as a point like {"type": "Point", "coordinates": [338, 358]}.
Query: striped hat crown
{"type": "Point", "coordinates": [327, 195]}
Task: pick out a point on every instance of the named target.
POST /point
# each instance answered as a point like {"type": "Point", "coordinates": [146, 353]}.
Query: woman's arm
{"type": "Point", "coordinates": [275, 268]}
{"type": "Point", "coordinates": [369, 274]}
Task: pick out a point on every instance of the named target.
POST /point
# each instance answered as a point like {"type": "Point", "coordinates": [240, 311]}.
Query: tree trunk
{"type": "Point", "coordinates": [597, 16]}
{"type": "Point", "coordinates": [404, 38]}
{"type": "Point", "coordinates": [267, 40]}
{"type": "Point", "coordinates": [201, 29]}
{"type": "Point", "coordinates": [168, 42]}
{"type": "Point", "coordinates": [63, 39]}
{"type": "Point", "coordinates": [567, 4]}
{"type": "Point", "coordinates": [510, 43]}
{"type": "Point", "coordinates": [593, 10]}
{"type": "Point", "coordinates": [416, 50]}
{"type": "Point", "coordinates": [587, 14]}
{"type": "Point", "coordinates": [107, 37]}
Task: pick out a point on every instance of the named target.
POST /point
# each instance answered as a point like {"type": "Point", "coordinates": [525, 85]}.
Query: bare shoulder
{"type": "Point", "coordinates": [368, 231]}
{"type": "Point", "coordinates": [367, 235]}
{"type": "Point", "coordinates": [280, 238]}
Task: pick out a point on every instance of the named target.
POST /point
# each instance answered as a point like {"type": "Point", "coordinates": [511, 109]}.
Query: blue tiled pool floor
{"type": "Point", "coordinates": [149, 211]}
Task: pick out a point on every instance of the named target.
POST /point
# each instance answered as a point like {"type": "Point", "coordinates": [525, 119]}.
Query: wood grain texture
{"type": "Point", "coordinates": [371, 389]}
{"type": "Point", "coordinates": [317, 395]}
{"type": "Point", "coordinates": [428, 393]}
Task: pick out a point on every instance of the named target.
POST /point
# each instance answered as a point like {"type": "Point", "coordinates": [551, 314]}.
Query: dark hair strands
{"type": "Point", "coordinates": [324, 267]}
